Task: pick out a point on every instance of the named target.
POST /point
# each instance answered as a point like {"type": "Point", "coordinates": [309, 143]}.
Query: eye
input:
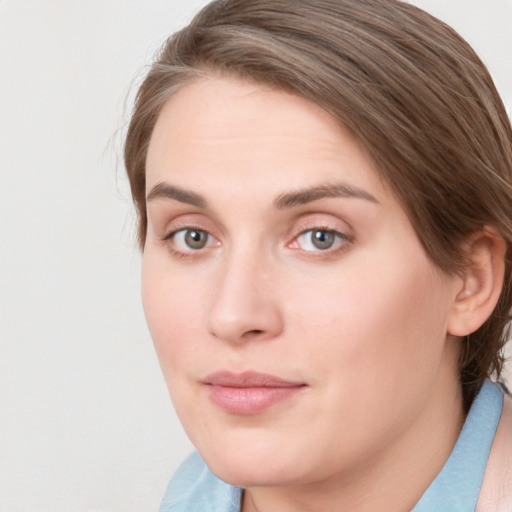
{"type": "Point", "coordinates": [190, 239]}
{"type": "Point", "coordinates": [319, 240]}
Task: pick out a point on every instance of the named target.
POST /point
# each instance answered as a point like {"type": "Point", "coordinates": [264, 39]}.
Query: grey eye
{"type": "Point", "coordinates": [195, 239]}
{"type": "Point", "coordinates": [322, 239]}
{"type": "Point", "coordinates": [190, 239]}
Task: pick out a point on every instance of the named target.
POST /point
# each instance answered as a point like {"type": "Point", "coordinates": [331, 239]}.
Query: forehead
{"type": "Point", "coordinates": [230, 130]}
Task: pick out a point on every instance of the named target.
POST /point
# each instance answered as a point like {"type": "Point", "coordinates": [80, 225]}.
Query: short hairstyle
{"type": "Point", "coordinates": [408, 88]}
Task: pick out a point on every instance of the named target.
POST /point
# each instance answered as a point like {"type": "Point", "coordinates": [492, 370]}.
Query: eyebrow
{"type": "Point", "coordinates": [164, 190]}
{"type": "Point", "coordinates": [308, 195]}
{"type": "Point", "coordinates": [283, 201]}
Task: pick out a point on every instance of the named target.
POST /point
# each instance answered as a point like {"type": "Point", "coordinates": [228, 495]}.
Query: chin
{"type": "Point", "coordinates": [244, 472]}
{"type": "Point", "coordinates": [253, 464]}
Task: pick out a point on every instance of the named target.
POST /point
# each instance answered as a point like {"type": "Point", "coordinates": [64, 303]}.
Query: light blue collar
{"type": "Point", "coordinates": [194, 488]}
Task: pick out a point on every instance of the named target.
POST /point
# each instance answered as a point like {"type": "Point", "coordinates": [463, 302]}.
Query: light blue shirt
{"type": "Point", "coordinates": [194, 488]}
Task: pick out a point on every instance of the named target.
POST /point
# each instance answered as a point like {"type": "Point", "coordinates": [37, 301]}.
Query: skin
{"type": "Point", "coordinates": [364, 325]}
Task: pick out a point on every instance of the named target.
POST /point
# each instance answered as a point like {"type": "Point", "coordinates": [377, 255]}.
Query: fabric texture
{"type": "Point", "coordinates": [194, 488]}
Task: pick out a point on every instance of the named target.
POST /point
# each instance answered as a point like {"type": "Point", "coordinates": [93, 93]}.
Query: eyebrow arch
{"type": "Point", "coordinates": [178, 194]}
{"type": "Point", "coordinates": [307, 195]}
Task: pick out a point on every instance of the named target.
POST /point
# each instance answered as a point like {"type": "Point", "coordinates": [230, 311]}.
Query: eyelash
{"type": "Point", "coordinates": [340, 241]}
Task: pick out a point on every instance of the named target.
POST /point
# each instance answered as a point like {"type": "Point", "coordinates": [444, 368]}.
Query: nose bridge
{"type": "Point", "coordinates": [243, 305]}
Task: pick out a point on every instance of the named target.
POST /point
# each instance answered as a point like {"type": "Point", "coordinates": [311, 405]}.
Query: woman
{"type": "Point", "coordinates": [324, 195]}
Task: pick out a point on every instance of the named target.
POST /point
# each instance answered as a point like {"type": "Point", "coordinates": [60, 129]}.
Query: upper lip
{"type": "Point", "coordinates": [248, 379]}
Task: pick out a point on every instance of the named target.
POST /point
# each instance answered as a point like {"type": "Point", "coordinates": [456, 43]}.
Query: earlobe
{"type": "Point", "coordinates": [482, 281]}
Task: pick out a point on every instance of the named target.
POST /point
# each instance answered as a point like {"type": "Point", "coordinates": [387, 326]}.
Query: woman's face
{"type": "Point", "coordinates": [300, 326]}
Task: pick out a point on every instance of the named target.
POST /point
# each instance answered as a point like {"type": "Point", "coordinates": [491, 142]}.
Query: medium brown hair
{"type": "Point", "coordinates": [410, 90]}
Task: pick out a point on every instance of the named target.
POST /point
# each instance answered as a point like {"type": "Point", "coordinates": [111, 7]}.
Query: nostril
{"type": "Point", "coordinates": [253, 332]}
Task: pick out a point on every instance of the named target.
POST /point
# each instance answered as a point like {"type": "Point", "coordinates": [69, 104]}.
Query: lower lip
{"type": "Point", "coordinates": [246, 401]}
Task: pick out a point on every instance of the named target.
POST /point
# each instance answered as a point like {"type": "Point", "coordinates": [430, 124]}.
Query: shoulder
{"type": "Point", "coordinates": [496, 493]}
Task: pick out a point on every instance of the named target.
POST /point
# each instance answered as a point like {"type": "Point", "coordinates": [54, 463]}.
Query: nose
{"type": "Point", "coordinates": [244, 305]}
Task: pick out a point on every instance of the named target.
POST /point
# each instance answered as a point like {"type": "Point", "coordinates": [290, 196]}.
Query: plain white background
{"type": "Point", "coordinates": [85, 420]}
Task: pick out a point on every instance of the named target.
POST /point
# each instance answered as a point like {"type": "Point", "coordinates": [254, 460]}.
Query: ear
{"type": "Point", "coordinates": [481, 283]}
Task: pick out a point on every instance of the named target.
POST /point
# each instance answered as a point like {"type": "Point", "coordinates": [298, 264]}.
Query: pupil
{"type": "Point", "coordinates": [195, 239]}
{"type": "Point", "coordinates": [322, 239]}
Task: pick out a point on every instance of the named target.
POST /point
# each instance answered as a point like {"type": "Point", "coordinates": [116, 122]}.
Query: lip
{"type": "Point", "coordinates": [249, 392]}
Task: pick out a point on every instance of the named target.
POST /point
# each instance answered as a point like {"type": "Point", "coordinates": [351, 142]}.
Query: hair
{"type": "Point", "coordinates": [408, 88]}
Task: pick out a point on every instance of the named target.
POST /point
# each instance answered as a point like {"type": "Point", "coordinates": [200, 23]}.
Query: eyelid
{"type": "Point", "coordinates": [185, 220]}
{"type": "Point", "coordinates": [321, 221]}
{"type": "Point", "coordinates": [176, 229]}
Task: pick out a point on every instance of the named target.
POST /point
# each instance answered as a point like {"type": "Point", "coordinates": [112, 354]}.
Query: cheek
{"type": "Point", "coordinates": [376, 323]}
{"type": "Point", "coordinates": [172, 312]}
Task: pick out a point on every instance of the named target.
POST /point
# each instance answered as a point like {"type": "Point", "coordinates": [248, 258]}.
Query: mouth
{"type": "Point", "coordinates": [249, 393]}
